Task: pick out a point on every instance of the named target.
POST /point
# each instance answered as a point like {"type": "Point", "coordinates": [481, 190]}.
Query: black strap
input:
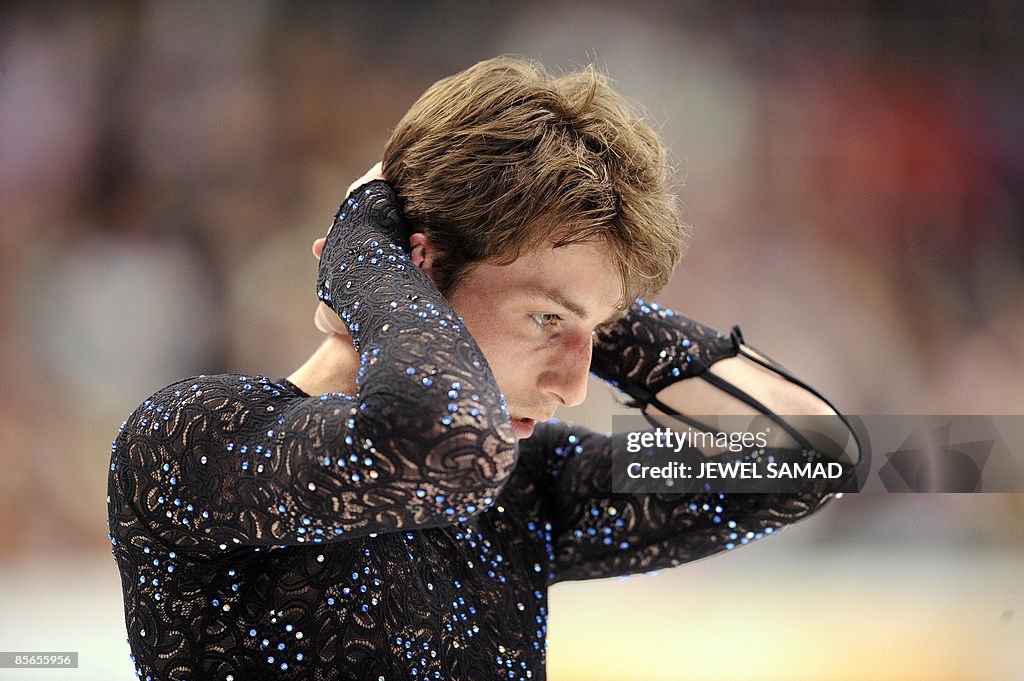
{"type": "Point", "coordinates": [738, 342]}
{"type": "Point", "coordinates": [692, 422]}
{"type": "Point", "coordinates": [745, 397]}
{"type": "Point", "coordinates": [777, 368]}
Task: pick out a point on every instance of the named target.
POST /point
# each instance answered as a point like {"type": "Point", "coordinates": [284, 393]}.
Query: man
{"type": "Point", "coordinates": [399, 506]}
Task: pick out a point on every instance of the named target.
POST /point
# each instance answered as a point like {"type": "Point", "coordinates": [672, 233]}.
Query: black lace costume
{"type": "Point", "coordinates": [400, 533]}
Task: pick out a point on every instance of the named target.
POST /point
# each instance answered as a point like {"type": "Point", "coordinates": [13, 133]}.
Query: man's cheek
{"type": "Point", "coordinates": [509, 380]}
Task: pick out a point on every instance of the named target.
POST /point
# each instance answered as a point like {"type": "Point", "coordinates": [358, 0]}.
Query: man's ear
{"type": "Point", "coordinates": [424, 255]}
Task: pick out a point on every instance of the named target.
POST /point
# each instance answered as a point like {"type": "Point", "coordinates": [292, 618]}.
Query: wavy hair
{"type": "Point", "coordinates": [503, 158]}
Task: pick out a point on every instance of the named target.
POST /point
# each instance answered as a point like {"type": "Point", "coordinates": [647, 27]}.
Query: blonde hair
{"type": "Point", "coordinates": [502, 158]}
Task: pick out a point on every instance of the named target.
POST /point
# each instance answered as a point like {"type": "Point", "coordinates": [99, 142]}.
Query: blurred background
{"type": "Point", "coordinates": [855, 182]}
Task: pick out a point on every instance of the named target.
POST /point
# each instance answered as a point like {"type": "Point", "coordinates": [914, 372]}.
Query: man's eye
{"type": "Point", "coordinates": [546, 320]}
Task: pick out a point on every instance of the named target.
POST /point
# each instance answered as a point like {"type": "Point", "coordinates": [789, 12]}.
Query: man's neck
{"type": "Point", "coordinates": [332, 368]}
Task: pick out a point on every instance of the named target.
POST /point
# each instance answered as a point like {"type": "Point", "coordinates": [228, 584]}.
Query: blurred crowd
{"type": "Point", "coordinates": [854, 179]}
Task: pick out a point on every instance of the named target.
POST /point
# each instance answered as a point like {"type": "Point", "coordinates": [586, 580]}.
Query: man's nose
{"type": "Point", "coordinates": [567, 377]}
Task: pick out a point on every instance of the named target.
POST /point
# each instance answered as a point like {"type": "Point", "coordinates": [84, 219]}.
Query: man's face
{"type": "Point", "coordinates": [534, 321]}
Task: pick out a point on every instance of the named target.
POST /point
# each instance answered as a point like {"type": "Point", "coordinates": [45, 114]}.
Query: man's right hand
{"type": "Point", "coordinates": [325, 319]}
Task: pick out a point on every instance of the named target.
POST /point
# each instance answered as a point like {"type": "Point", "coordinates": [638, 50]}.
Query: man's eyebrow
{"type": "Point", "coordinates": [559, 298]}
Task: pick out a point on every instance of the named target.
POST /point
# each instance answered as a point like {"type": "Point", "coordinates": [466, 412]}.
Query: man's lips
{"type": "Point", "coordinates": [522, 427]}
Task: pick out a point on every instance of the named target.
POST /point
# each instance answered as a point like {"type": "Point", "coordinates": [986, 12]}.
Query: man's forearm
{"type": "Point", "coordinates": [656, 355]}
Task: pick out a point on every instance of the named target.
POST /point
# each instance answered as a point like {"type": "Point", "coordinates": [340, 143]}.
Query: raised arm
{"type": "Point", "coordinates": [652, 351]}
{"type": "Point", "coordinates": [229, 460]}
{"type": "Point", "coordinates": [664, 361]}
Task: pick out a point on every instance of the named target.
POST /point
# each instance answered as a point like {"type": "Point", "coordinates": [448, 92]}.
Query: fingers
{"type": "Point", "coordinates": [318, 247]}
{"type": "Point", "coordinates": [374, 173]}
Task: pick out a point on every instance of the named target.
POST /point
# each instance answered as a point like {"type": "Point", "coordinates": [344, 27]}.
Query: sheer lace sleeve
{"type": "Point", "coordinates": [598, 533]}
{"type": "Point", "coordinates": [229, 460]}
